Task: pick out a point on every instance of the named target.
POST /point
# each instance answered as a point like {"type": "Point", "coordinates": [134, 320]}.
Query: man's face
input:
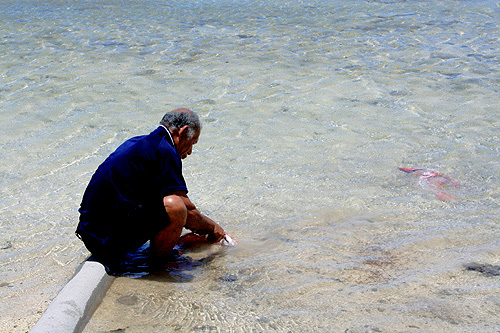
{"type": "Point", "coordinates": [185, 145]}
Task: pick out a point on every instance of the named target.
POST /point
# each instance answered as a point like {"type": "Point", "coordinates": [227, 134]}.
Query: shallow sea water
{"type": "Point", "coordinates": [308, 109]}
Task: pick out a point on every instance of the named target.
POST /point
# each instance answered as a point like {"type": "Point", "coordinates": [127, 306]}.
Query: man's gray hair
{"type": "Point", "coordinates": [179, 118]}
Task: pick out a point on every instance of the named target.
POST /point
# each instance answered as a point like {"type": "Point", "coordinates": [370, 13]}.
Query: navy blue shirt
{"type": "Point", "coordinates": [122, 207]}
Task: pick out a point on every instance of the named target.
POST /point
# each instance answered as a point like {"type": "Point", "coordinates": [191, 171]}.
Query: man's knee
{"type": "Point", "coordinates": [176, 209]}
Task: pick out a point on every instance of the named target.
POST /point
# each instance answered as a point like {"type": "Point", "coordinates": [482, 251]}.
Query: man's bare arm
{"type": "Point", "coordinates": [200, 223]}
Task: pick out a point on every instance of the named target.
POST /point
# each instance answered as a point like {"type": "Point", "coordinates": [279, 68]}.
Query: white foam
{"type": "Point", "coordinates": [228, 241]}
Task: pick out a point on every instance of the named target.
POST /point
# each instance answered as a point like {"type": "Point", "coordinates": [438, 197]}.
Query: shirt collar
{"type": "Point", "coordinates": [169, 135]}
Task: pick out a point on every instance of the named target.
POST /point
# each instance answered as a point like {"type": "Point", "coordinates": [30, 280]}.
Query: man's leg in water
{"type": "Point", "coordinates": [166, 239]}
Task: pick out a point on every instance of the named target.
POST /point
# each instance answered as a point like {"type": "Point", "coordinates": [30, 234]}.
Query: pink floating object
{"type": "Point", "coordinates": [433, 181]}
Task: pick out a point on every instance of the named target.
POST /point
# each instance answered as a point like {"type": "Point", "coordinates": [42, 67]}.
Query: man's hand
{"type": "Point", "coordinates": [214, 234]}
{"type": "Point", "coordinates": [217, 235]}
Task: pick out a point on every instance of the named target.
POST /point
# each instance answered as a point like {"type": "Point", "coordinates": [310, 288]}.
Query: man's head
{"type": "Point", "coordinates": [185, 127]}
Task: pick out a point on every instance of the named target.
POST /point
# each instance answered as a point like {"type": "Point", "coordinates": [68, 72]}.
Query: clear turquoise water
{"type": "Point", "coordinates": [308, 110]}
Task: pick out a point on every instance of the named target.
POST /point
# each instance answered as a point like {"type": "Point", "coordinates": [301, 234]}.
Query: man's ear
{"type": "Point", "coordinates": [183, 131]}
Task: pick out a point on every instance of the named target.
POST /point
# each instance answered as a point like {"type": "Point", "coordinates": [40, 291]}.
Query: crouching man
{"type": "Point", "coordinates": [138, 194]}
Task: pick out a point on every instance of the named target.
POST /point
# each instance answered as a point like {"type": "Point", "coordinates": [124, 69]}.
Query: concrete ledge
{"type": "Point", "coordinates": [74, 305]}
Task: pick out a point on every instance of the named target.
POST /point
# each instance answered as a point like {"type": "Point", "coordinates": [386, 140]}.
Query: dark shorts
{"type": "Point", "coordinates": [135, 262]}
{"type": "Point", "coordinates": [119, 242]}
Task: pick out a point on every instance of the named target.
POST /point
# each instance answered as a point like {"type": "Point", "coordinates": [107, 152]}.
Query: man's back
{"type": "Point", "coordinates": [122, 205]}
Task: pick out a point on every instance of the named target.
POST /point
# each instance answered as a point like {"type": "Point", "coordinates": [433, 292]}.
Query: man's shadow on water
{"type": "Point", "coordinates": [174, 268]}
